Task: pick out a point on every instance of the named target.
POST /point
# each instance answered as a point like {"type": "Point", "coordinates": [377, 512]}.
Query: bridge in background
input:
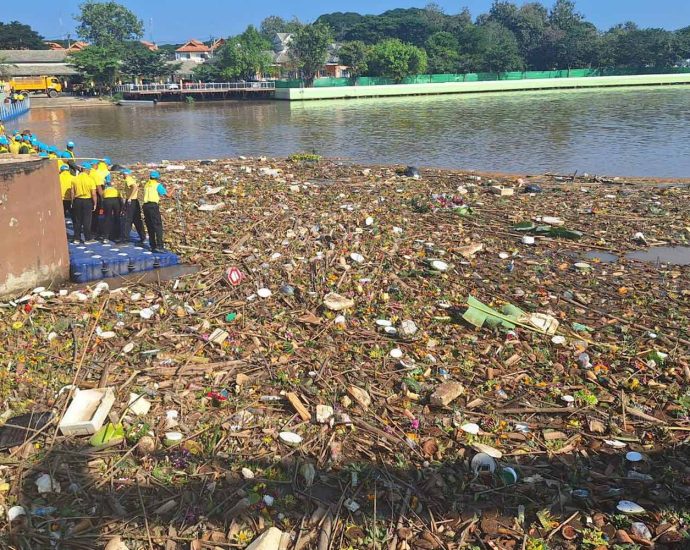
{"type": "Point", "coordinates": [197, 90]}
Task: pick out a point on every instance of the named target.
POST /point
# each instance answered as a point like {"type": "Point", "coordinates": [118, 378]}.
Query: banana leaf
{"type": "Point", "coordinates": [570, 234]}
{"type": "Point", "coordinates": [524, 226]}
{"type": "Point", "coordinates": [478, 314]}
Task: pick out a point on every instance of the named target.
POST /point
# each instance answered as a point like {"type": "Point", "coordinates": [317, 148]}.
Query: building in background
{"type": "Point", "coordinates": [193, 50]}
{"type": "Point", "coordinates": [38, 63]}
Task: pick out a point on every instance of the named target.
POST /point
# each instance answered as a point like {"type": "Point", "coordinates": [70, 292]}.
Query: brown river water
{"type": "Point", "coordinates": [634, 132]}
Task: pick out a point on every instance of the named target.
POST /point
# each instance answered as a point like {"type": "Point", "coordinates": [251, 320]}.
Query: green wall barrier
{"type": "Point", "coordinates": [479, 77]}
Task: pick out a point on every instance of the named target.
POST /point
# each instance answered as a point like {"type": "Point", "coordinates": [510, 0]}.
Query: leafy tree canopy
{"type": "Point", "coordinates": [17, 36]}
{"type": "Point", "coordinates": [107, 23]}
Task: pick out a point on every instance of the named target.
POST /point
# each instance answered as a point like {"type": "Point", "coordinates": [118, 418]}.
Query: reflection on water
{"type": "Point", "coordinates": [674, 255]}
{"type": "Point", "coordinates": [636, 132]}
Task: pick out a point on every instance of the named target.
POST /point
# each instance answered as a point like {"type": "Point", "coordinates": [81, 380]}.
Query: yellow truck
{"type": "Point", "coordinates": [26, 85]}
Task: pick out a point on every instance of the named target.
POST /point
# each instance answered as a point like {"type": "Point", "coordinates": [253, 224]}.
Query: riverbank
{"type": "Point", "coordinates": [337, 392]}
{"type": "Point", "coordinates": [69, 101]}
{"type": "Point", "coordinates": [398, 90]}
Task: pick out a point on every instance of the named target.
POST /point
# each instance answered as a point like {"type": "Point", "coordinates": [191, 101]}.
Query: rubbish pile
{"type": "Point", "coordinates": [366, 359]}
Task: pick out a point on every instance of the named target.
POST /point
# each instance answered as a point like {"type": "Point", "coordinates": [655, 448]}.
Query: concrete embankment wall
{"type": "Point", "coordinates": [354, 92]}
{"type": "Point", "coordinates": [33, 242]}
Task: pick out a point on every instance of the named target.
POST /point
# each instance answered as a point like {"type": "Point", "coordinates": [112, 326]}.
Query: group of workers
{"type": "Point", "coordinates": [102, 205]}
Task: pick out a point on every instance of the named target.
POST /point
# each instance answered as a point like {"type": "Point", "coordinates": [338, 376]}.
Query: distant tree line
{"type": "Point", "coordinates": [508, 38]}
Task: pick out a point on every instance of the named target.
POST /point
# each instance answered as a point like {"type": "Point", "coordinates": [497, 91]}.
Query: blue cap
{"type": "Point", "coordinates": [87, 165]}
{"type": "Point", "coordinates": [64, 168]}
{"type": "Point", "coordinates": [27, 138]}
{"type": "Point", "coordinates": [17, 136]}
{"type": "Point", "coordinates": [3, 140]}
{"type": "Point", "coordinates": [107, 161]}
{"type": "Point", "coordinates": [154, 175]}
{"type": "Point", "coordinates": [65, 155]}
{"type": "Point", "coordinates": [126, 171]}
{"type": "Point", "coordinates": [70, 144]}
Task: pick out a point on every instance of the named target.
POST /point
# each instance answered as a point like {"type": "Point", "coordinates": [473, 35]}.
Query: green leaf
{"type": "Point", "coordinates": [107, 434]}
{"type": "Point", "coordinates": [524, 226]}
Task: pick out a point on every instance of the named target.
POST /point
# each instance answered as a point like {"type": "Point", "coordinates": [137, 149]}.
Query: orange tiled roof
{"type": "Point", "coordinates": [194, 46]}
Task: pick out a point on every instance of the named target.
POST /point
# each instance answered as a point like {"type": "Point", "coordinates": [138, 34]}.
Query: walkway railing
{"type": "Point", "coordinates": [8, 111]}
{"type": "Point", "coordinates": [195, 87]}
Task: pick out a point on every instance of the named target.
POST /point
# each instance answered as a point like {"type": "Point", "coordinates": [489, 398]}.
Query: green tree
{"type": "Point", "coordinates": [274, 24]}
{"type": "Point", "coordinates": [140, 62]}
{"type": "Point", "coordinates": [108, 23]}
{"type": "Point", "coordinates": [641, 48]}
{"type": "Point", "coordinates": [355, 56]}
{"type": "Point", "coordinates": [497, 49]}
{"type": "Point", "coordinates": [682, 43]}
{"type": "Point", "coordinates": [101, 64]}
{"type": "Point", "coordinates": [443, 50]}
{"type": "Point", "coordinates": [17, 36]}
{"type": "Point", "coordinates": [243, 56]}
{"type": "Point", "coordinates": [309, 50]}
{"type": "Point", "coordinates": [394, 59]}
{"type": "Point", "coordinates": [341, 23]}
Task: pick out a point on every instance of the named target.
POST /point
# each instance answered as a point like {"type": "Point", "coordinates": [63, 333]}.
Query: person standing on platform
{"type": "Point", "coordinates": [84, 192]}
{"type": "Point", "coordinates": [98, 174]}
{"type": "Point", "coordinates": [132, 210]}
{"type": "Point", "coordinates": [153, 191]}
{"type": "Point", "coordinates": [66, 180]}
{"type": "Point", "coordinates": [70, 149]}
{"type": "Point", "coordinates": [112, 206]}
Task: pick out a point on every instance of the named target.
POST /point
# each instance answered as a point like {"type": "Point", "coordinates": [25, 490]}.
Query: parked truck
{"type": "Point", "coordinates": [49, 85]}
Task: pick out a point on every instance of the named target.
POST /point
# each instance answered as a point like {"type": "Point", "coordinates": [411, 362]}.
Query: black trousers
{"type": "Point", "coordinates": [154, 224]}
{"type": "Point", "coordinates": [111, 210]}
{"type": "Point", "coordinates": [82, 209]}
{"type": "Point", "coordinates": [96, 228]}
{"type": "Point", "coordinates": [132, 215]}
{"type": "Point", "coordinates": [67, 208]}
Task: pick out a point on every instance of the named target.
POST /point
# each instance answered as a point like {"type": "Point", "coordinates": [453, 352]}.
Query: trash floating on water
{"type": "Point", "coordinates": [633, 456]}
{"type": "Point", "coordinates": [470, 428]}
{"type": "Point", "coordinates": [290, 438]}
{"type": "Point", "coordinates": [629, 507]}
{"type": "Point", "coordinates": [483, 463]}
{"type": "Point", "coordinates": [87, 411]}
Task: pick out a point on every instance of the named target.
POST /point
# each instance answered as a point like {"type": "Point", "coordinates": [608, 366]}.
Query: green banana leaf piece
{"type": "Point", "coordinates": [570, 234]}
{"type": "Point", "coordinates": [478, 314]}
{"type": "Point", "coordinates": [524, 226]}
{"type": "Point", "coordinates": [107, 434]}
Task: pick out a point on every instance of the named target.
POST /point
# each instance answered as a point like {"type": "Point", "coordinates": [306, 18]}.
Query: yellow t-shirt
{"type": "Point", "coordinates": [14, 147]}
{"type": "Point", "coordinates": [132, 188]}
{"type": "Point", "coordinates": [151, 191]}
{"type": "Point", "coordinates": [83, 186]}
{"type": "Point", "coordinates": [66, 180]}
{"type": "Point", "coordinates": [110, 193]}
{"type": "Point", "coordinates": [98, 177]}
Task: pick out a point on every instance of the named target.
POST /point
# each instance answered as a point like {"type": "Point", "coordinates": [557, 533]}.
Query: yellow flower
{"type": "Point", "coordinates": [17, 325]}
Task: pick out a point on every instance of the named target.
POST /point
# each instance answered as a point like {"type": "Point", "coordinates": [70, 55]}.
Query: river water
{"type": "Point", "coordinates": [635, 132]}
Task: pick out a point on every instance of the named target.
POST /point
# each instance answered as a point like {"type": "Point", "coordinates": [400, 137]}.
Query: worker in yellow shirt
{"type": "Point", "coordinates": [98, 174]}
{"type": "Point", "coordinates": [70, 149]}
{"type": "Point", "coordinates": [66, 180]}
{"type": "Point", "coordinates": [84, 193]}
{"type": "Point", "coordinates": [15, 144]}
{"type": "Point", "coordinates": [153, 191]}
{"type": "Point", "coordinates": [112, 207]}
{"type": "Point", "coordinates": [132, 209]}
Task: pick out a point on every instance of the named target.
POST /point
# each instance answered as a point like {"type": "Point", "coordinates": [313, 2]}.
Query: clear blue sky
{"type": "Point", "coordinates": [178, 20]}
